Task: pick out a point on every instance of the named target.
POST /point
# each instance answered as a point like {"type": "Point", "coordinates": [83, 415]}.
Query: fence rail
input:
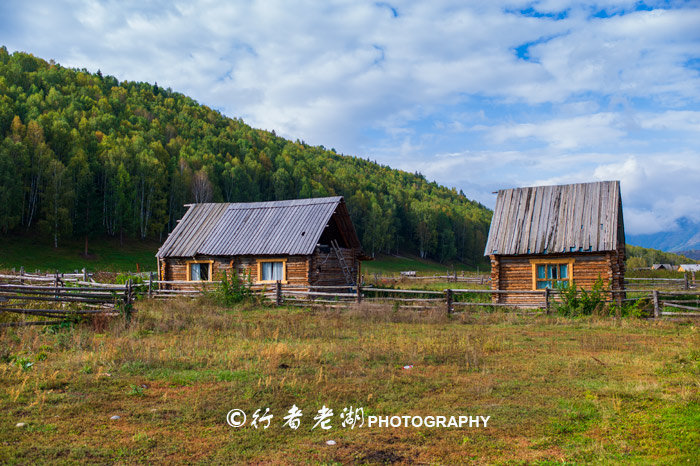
{"type": "Point", "coordinates": [70, 295]}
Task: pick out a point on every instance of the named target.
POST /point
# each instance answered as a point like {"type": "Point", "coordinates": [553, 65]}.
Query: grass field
{"type": "Point", "coordinates": [107, 254]}
{"type": "Point", "coordinates": [556, 390]}
{"type": "Point", "coordinates": [104, 255]}
{"type": "Point", "coordinates": [394, 265]}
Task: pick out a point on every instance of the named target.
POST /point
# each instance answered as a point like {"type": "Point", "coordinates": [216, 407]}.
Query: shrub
{"type": "Point", "coordinates": [122, 278]}
{"type": "Point", "coordinates": [636, 308]}
{"type": "Point", "coordinates": [580, 302]}
{"type": "Point", "coordinates": [233, 291]}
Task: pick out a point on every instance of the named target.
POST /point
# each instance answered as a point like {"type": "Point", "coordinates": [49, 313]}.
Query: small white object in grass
{"type": "Point", "coordinates": [115, 417]}
{"type": "Point", "coordinates": [330, 442]}
{"type": "Point", "coordinates": [20, 424]}
{"type": "Point", "coordinates": [410, 366]}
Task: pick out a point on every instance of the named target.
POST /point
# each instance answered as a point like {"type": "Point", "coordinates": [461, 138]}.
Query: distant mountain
{"type": "Point", "coordinates": [695, 254]}
{"type": "Point", "coordinates": [684, 237]}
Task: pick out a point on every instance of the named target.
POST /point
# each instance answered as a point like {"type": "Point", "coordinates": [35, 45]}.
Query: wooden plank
{"type": "Point", "coordinates": [533, 216]}
{"type": "Point", "coordinates": [679, 306]}
{"type": "Point", "coordinates": [31, 322]}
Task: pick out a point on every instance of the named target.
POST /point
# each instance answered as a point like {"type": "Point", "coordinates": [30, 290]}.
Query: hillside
{"type": "Point", "coordinates": [84, 156]}
{"type": "Point", "coordinates": [639, 257]}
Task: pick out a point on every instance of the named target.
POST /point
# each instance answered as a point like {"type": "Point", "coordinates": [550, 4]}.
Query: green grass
{"type": "Point", "coordinates": [393, 265]}
{"type": "Point", "coordinates": [586, 390]}
{"type": "Point", "coordinates": [105, 254]}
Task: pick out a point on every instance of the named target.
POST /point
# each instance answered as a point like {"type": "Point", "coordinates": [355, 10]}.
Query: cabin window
{"type": "Point", "coordinates": [199, 271]}
{"type": "Point", "coordinates": [272, 270]}
{"type": "Point", "coordinates": [554, 274]}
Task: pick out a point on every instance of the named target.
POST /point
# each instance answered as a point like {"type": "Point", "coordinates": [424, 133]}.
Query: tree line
{"type": "Point", "coordinates": [84, 155]}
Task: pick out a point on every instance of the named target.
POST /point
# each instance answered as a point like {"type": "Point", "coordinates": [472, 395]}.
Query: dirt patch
{"type": "Point", "coordinates": [382, 457]}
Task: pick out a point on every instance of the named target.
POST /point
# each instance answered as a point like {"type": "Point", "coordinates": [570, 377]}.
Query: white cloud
{"type": "Point", "coordinates": [565, 134]}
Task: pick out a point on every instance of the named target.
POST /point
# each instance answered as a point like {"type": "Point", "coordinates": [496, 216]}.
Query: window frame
{"type": "Point", "coordinates": [569, 271]}
{"type": "Point", "coordinates": [260, 262]}
{"type": "Point", "coordinates": [189, 270]}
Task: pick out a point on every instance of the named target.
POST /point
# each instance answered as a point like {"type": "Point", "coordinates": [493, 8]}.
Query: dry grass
{"type": "Point", "coordinates": [588, 390]}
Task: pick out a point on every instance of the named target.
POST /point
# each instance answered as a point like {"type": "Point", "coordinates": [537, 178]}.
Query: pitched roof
{"type": "Point", "coordinates": [555, 219]}
{"type": "Point", "coordinates": [690, 267]}
{"type": "Point", "coordinates": [257, 228]}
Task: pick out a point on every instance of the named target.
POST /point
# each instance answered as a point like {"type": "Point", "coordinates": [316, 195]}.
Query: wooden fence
{"type": "Point", "coordinates": [688, 282]}
{"type": "Point", "coordinates": [61, 303]}
{"type": "Point", "coordinates": [70, 295]}
{"type": "Point", "coordinates": [447, 277]}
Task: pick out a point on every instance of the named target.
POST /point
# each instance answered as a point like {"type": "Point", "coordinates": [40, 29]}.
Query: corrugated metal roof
{"type": "Point", "coordinates": [253, 228]}
{"type": "Point", "coordinates": [556, 219]}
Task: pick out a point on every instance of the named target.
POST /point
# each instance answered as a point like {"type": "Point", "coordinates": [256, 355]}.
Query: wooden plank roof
{"type": "Point", "coordinates": [291, 227]}
{"type": "Point", "coordinates": [584, 217]}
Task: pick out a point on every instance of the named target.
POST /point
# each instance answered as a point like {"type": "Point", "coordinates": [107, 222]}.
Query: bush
{"type": "Point", "coordinates": [233, 291]}
{"type": "Point", "coordinates": [580, 302]}
{"type": "Point", "coordinates": [122, 278]}
{"type": "Point", "coordinates": [636, 308]}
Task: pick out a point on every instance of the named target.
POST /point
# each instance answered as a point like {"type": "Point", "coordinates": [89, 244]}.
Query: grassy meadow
{"type": "Point", "coordinates": [104, 254]}
{"type": "Point", "coordinates": [589, 390]}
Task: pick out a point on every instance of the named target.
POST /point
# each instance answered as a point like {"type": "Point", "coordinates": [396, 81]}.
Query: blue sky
{"type": "Point", "coordinates": [475, 95]}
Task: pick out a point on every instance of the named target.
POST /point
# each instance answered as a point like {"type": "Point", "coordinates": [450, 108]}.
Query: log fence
{"type": "Point", "coordinates": [64, 296]}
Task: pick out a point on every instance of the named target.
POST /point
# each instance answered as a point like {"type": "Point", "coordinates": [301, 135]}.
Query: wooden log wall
{"type": "Point", "coordinates": [325, 268]}
{"type": "Point", "coordinates": [297, 268]}
{"type": "Point", "coordinates": [175, 269]}
{"type": "Point", "coordinates": [515, 273]}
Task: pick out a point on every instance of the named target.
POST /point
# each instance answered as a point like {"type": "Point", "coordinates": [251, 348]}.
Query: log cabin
{"type": "Point", "coordinates": [551, 236]}
{"type": "Point", "coordinates": [302, 242]}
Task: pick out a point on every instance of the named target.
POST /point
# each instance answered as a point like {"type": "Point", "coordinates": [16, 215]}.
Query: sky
{"type": "Point", "coordinates": [476, 95]}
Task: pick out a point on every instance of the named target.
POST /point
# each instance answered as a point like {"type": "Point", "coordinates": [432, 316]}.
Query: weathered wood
{"type": "Point", "coordinates": [391, 290]}
{"type": "Point", "coordinates": [655, 299]}
{"type": "Point", "coordinates": [527, 306]}
{"type": "Point", "coordinates": [278, 293]}
{"type": "Point", "coordinates": [404, 300]}
{"type": "Point", "coordinates": [30, 322]}
{"type": "Point", "coordinates": [58, 298]}
{"type": "Point", "coordinates": [56, 292]}
{"type": "Point", "coordinates": [16, 310]}
{"type": "Point", "coordinates": [679, 306]}
{"type": "Point", "coordinates": [448, 300]}
{"type": "Point", "coordinates": [546, 301]}
{"type": "Point", "coordinates": [320, 293]}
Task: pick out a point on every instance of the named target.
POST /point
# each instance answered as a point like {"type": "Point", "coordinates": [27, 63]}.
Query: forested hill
{"type": "Point", "coordinates": [84, 155]}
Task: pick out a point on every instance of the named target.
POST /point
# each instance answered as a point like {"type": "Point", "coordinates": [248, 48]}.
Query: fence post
{"type": "Point", "coordinates": [685, 276]}
{"type": "Point", "coordinates": [546, 301]}
{"type": "Point", "coordinates": [278, 293]}
{"type": "Point", "coordinates": [85, 274]}
{"type": "Point", "coordinates": [150, 284]}
{"type": "Point", "coordinates": [359, 293]}
{"type": "Point", "coordinates": [127, 300]}
{"type": "Point", "coordinates": [655, 298]}
{"type": "Point", "coordinates": [21, 274]}
{"type": "Point", "coordinates": [448, 299]}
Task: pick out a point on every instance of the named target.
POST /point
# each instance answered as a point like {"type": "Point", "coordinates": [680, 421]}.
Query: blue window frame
{"type": "Point", "coordinates": [552, 275]}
